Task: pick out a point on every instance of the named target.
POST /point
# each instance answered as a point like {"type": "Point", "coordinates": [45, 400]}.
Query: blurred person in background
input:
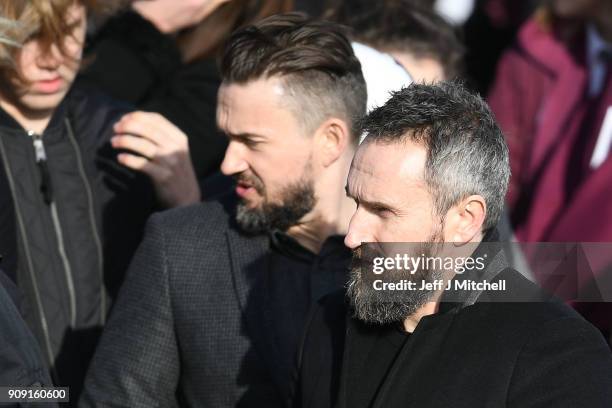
{"type": "Point", "coordinates": [72, 208]}
{"type": "Point", "coordinates": [552, 97]}
{"type": "Point", "coordinates": [214, 305]}
{"type": "Point", "coordinates": [21, 361]}
{"type": "Point", "coordinates": [161, 56]}
{"type": "Point", "coordinates": [382, 74]}
{"type": "Point", "coordinates": [425, 44]}
{"type": "Point", "coordinates": [558, 70]}
{"type": "Point", "coordinates": [488, 32]}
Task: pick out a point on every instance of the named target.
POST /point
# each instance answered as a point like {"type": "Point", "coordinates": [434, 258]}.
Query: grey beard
{"type": "Point", "coordinates": [376, 307]}
{"type": "Point", "coordinates": [298, 199]}
{"type": "Point", "coordinates": [382, 307]}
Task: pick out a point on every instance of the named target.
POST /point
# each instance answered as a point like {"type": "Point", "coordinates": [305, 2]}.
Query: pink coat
{"type": "Point", "coordinates": [540, 85]}
{"type": "Point", "coordinates": [538, 93]}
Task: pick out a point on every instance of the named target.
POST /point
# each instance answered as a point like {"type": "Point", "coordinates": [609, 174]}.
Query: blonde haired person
{"type": "Point", "coordinates": [21, 361]}
{"type": "Point", "coordinates": [72, 206]}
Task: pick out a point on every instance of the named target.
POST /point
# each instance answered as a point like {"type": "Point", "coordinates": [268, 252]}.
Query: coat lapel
{"type": "Point", "coordinates": [250, 274]}
{"type": "Point", "coordinates": [564, 97]}
{"type": "Point", "coordinates": [555, 123]}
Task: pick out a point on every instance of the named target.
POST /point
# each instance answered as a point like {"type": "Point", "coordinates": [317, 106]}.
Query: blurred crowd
{"type": "Point", "coordinates": [153, 167]}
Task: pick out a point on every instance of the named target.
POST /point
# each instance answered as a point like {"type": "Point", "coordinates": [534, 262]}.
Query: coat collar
{"type": "Point", "coordinates": [53, 129]}
{"type": "Point", "coordinates": [565, 60]}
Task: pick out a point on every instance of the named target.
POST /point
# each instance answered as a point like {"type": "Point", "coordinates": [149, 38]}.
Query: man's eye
{"type": "Point", "coordinates": [250, 142]}
{"type": "Point", "coordinates": [381, 211]}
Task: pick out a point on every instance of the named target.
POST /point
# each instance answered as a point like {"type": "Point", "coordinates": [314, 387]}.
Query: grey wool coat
{"type": "Point", "coordinates": [190, 326]}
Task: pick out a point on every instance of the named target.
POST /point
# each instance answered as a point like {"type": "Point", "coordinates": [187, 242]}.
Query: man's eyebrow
{"type": "Point", "coordinates": [369, 203]}
{"type": "Point", "coordinates": [242, 136]}
{"type": "Point", "coordinates": [376, 205]}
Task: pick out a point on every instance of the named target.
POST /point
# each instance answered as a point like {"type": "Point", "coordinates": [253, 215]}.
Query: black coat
{"type": "Point", "coordinates": [21, 361]}
{"type": "Point", "coordinates": [192, 324]}
{"type": "Point", "coordinates": [67, 249]}
{"type": "Point", "coordinates": [130, 60]}
{"type": "Point", "coordinates": [488, 354]}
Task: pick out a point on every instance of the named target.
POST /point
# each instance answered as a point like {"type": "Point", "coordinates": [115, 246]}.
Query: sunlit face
{"type": "Point", "coordinates": [393, 202]}
{"type": "Point", "coordinates": [269, 154]}
{"type": "Point", "coordinates": [49, 75]}
{"type": "Point", "coordinates": [393, 206]}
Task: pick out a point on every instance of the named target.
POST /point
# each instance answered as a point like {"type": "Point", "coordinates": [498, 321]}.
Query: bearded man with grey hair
{"type": "Point", "coordinates": [415, 333]}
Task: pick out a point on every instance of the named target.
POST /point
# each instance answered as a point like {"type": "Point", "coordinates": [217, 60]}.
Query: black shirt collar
{"type": "Point", "coordinates": [289, 246]}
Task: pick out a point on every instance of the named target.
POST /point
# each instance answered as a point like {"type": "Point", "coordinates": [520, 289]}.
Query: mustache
{"type": "Point", "coordinates": [250, 180]}
{"type": "Point", "coordinates": [363, 257]}
{"type": "Point", "coordinates": [367, 252]}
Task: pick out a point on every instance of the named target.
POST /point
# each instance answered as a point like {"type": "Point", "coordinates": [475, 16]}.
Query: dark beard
{"type": "Point", "coordinates": [386, 307]}
{"type": "Point", "coordinates": [298, 199]}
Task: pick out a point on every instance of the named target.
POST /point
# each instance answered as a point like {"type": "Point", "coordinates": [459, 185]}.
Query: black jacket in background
{"type": "Point", "coordinates": [67, 250]}
{"type": "Point", "coordinates": [489, 354]}
{"type": "Point", "coordinates": [21, 361]}
{"type": "Point", "coordinates": [130, 60]}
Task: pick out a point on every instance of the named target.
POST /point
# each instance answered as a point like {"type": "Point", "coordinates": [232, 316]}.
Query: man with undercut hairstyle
{"type": "Point", "coordinates": [214, 304]}
{"type": "Point", "coordinates": [487, 336]}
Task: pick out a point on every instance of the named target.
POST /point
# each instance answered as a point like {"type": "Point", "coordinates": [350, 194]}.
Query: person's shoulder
{"type": "Point", "coordinates": [214, 216]}
{"type": "Point", "coordinates": [201, 224]}
{"type": "Point", "coordinates": [524, 300]}
{"type": "Point", "coordinates": [523, 307]}
{"type": "Point", "coordinates": [555, 347]}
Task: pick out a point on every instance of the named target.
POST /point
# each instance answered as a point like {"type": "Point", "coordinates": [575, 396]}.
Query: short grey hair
{"type": "Point", "coordinates": [466, 151]}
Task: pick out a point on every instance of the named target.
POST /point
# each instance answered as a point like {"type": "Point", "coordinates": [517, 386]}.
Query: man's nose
{"type": "Point", "coordinates": [358, 231]}
{"type": "Point", "coordinates": [233, 162]}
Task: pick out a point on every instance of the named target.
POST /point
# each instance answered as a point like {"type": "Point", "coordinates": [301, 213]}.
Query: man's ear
{"type": "Point", "coordinates": [331, 140]}
{"type": "Point", "coordinates": [464, 221]}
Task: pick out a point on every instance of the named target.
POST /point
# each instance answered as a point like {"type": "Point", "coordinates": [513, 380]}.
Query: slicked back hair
{"type": "Point", "coordinates": [466, 151]}
{"type": "Point", "coordinates": [314, 60]}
